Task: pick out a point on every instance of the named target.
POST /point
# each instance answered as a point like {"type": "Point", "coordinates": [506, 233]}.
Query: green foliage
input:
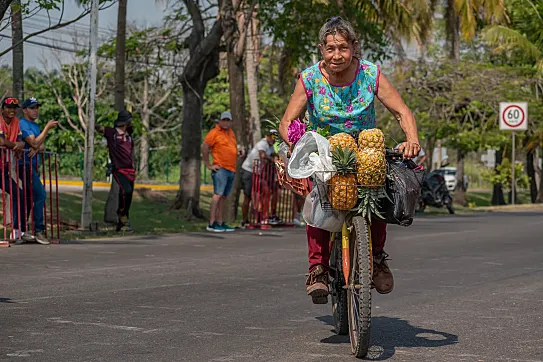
{"type": "Point", "coordinates": [520, 40]}
{"type": "Point", "coordinates": [503, 175]}
{"type": "Point", "coordinates": [296, 23]}
{"type": "Point", "coordinates": [459, 102]}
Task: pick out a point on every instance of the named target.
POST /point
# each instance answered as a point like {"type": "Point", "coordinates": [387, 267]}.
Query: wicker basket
{"type": "Point", "coordinates": [298, 186]}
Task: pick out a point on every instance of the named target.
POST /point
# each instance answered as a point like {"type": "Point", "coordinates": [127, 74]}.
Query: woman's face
{"type": "Point", "coordinates": [337, 52]}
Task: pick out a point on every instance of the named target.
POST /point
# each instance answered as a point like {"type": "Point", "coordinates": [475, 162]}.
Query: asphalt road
{"type": "Point", "coordinates": [468, 288]}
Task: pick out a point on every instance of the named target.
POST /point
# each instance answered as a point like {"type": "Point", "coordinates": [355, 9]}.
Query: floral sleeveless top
{"type": "Point", "coordinates": [348, 108]}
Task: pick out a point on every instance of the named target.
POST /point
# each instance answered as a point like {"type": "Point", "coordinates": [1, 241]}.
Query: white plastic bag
{"type": "Point", "coordinates": [314, 215]}
{"type": "Point", "coordinates": [311, 153]}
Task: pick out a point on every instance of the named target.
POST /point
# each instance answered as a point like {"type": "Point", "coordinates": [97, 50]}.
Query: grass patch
{"type": "Point", "coordinates": [483, 198]}
{"type": "Point", "coordinates": [149, 214]}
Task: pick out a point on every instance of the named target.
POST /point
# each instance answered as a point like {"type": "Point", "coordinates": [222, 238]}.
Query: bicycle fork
{"type": "Point", "coordinates": [345, 255]}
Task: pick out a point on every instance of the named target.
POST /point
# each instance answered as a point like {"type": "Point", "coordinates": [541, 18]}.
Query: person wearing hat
{"type": "Point", "coordinates": [263, 150]}
{"type": "Point", "coordinates": [11, 138]}
{"type": "Point", "coordinates": [121, 153]}
{"type": "Point", "coordinates": [34, 139]}
{"type": "Point", "coordinates": [221, 143]}
{"type": "Point", "coordinates": [9, 125]}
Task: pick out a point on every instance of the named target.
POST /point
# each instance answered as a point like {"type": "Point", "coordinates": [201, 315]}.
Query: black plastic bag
{"type": "Point", "coordinates": [403, 186]}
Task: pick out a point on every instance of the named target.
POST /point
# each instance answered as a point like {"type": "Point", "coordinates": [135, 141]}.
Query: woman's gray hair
{"type": "Point", "coordinates": [337, 25]}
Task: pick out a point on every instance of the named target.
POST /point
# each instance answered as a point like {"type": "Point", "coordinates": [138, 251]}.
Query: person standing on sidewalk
{"type": "Point", "coordinates": [221, 142]}
{"type": "Point", "coordinates": [121, 153]}
{"type": "Point", "coordinates": [11, 138]}
{"type": "Point", "coordinates": [34, 139]}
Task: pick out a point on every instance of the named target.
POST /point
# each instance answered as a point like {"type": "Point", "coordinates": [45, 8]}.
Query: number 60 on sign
{"type": "Point", "coordinates": [514, 116]}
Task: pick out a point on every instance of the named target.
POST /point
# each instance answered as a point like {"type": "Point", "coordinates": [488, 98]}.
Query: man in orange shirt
{"type": "Point", "coordinates": [221, 141]}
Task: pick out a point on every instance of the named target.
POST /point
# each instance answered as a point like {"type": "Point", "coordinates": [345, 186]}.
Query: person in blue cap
{"type": "Point", "coordinates": [34, 139]}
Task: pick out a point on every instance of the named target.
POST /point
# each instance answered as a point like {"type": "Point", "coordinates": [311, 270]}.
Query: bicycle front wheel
{"type": "Point", "coordinates": [359, 291]}
{"type": "Point", "coordinates": [337, 289]}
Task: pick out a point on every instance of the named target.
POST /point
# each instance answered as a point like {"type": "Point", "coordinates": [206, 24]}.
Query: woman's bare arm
{"type": "Point", "coordinates": [297, 104]}
{"type": "Point", "coordinates": [391, 99]}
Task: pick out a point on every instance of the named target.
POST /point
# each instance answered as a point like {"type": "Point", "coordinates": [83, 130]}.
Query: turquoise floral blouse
{"type": "Point", "coordinates": [347, 108]}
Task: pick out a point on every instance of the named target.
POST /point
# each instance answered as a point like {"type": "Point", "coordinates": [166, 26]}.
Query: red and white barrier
{"type": "Point", "coordinates": [16, 182]}
{"type": "Point", "coordinates": [269, 199]}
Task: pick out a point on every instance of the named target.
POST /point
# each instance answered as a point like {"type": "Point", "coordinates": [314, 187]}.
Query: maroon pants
{"type": "Point", "coordinates": [318, 242]}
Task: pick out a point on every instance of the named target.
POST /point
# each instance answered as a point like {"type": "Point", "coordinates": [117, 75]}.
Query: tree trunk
{"type": "Point", "coordinates": [237, 107]}
{"type": "Point", "coordinates": [120, 56]}
{"type": "Point", "coordinates": [112, 202]}
{"type": "Point", "coordinates": [202, 66]}
{"type": "Point", "coordinates": [285, 62]}
{"type": "Point", "coordinates": [188, 197]}
{"type": "Point", "coordinates": [539, 199]}
{"type": "Point", "coordinates": [4, 5]}
{"type": "Point", "coordinates": [235, 37]}
{"type": "Point", "coordinates": [459, 190]}
{"type": "Point", "coordinates": [497, 191]}
{"type": "Point", "coordinates": [145, 120]}
{"type": "Point", "coordinates": [252, 59]}
{"type": "Point", "coordinates": [530, 170]}
{"type": "Point", "coordinates": [453, 30]}
{"type": "Point", "coordinates": [18, 53]}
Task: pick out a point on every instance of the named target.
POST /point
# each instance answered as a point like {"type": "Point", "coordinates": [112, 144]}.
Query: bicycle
{"type": "Point", "coordinates": [351, 259]}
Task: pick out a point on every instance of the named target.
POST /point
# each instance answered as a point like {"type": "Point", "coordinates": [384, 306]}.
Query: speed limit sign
{"type": "Point", "coordinates": [514, 116]}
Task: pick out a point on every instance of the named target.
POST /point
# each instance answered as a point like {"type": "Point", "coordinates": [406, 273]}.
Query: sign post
{"type": "Point", "coordinates": [513, 117]}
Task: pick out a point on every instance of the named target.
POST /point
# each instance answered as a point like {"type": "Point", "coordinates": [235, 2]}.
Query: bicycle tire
{"type": "Point", "coordinates": [359, 291]}
{"type": "Point", "coordinates": [337, 290]}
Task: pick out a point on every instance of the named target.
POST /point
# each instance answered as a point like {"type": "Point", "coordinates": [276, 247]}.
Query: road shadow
{"type": "Point", "coordinates": [6, 300]}
{"type": "Point", "coordinates": [389, 333]}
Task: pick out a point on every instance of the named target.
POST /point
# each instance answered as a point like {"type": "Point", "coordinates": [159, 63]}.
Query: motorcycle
{"type": "Point", "coordinates": [434, 193]}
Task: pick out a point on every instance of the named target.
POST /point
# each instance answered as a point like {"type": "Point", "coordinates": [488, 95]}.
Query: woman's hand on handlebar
{"type": "Point", "coordinates": [409, 149]}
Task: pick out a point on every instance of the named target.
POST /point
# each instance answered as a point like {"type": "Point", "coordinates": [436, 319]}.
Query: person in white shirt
{"type": "Point", "coordinates": [263, 150]}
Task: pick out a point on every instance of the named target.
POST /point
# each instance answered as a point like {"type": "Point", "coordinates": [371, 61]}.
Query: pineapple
{"type": "Point", "coordinates": [371, 170]}
{"type": "Point", "coordinates": [343, 141]}
{"type": "Point", "coordinates": [371, 138]}
{"type": "Point", "coordinates": [342, 187]}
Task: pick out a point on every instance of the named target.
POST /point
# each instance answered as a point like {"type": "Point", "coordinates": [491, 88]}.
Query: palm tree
{"type": "Point", "coordinates": [462, 18]}
{"type": "Point", "coordinates": [523, 34]}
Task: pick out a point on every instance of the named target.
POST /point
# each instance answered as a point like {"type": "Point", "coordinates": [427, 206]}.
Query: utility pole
{"type": "Point", "coordinates": [86, 212]}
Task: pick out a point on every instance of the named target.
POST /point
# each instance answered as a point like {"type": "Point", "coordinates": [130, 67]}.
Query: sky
{"type": "Point", "coordinates": [139, 12]}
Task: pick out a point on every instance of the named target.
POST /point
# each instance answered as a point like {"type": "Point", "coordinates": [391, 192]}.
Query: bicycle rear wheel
{"type": "Point", "coordinates": [359, 291]}
{"type": "Point", "coordinates": [337, 290]}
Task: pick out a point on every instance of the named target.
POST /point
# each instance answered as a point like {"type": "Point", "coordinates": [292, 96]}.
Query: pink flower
{"type": "Point", "coordinates": [364, 66]}
{"type": "Point", "coordinates": [348, 124]}
{"type": "Point", "coordinates": [349, 109]}
{"type": "Point", "coordinates": [296, 130]}
{"type": "Point", "coordinates": [322, 90]}
{"type": "Point", "coordinates": [358, 94]}
{"type": "Point", "coordinates": [369, 89]}
{"type": "Point", "coordinates": [309, 92]}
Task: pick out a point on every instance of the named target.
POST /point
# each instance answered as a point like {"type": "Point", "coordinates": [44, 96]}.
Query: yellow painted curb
{"type": "Point", "coordinates": [136, 186]}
